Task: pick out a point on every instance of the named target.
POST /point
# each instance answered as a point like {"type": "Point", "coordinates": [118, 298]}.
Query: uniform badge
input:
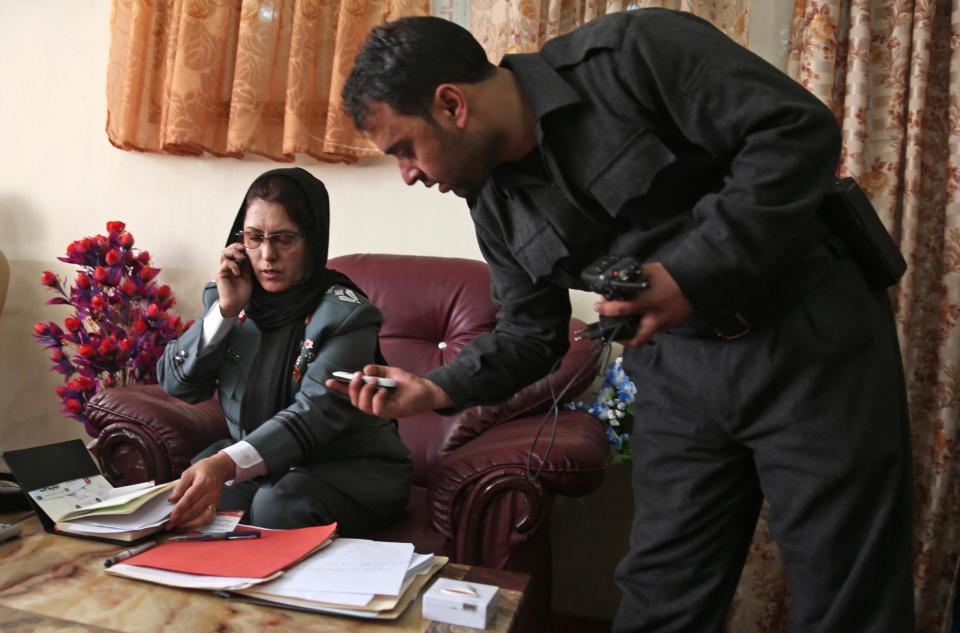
{"type": "Point", "coordinates": [346, 295]}
{"type": "Point", "coordinates": [305, 357]}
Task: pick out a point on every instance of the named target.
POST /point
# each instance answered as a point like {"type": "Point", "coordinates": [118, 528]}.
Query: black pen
{"type": "Point", "coordinates": [127, 553]}
{"type": "Point", "coordinates": [217, 536]}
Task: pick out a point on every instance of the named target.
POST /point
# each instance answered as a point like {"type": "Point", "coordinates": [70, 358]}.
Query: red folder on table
{"type": "Point", "coordinates": [244, 558]}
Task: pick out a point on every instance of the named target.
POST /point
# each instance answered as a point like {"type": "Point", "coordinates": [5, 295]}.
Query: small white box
{"type": "Point", "coordinates": [460, 602]}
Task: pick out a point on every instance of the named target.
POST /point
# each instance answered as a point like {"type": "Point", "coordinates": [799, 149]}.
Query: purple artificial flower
{"type": "Point", "coordinates": [119, 324]}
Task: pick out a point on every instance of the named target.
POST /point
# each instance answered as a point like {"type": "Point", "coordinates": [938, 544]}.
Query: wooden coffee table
{"type": "Point", "coordinates": [57, 583]}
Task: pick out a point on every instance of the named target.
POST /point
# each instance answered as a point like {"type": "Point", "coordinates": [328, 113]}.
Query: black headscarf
{"type": "Point", "coordinates": [281, 317]}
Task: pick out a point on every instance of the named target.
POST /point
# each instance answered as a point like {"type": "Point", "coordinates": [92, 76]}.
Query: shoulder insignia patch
{"type": "Point", "coordinates": [346, 295]}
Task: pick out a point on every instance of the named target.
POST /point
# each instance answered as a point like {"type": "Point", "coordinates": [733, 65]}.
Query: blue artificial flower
{"type": "Point", "coordinates": [612, 405]}
{"type": "Point", "coordinates": [615, 440]}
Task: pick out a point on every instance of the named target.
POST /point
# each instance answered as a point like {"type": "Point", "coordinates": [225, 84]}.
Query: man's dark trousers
{"type": "Point", "coordinates": [807, 410]}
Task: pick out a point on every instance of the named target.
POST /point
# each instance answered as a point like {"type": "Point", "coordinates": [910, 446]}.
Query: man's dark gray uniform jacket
{"type": "Point", "coordinates": [661, 138]}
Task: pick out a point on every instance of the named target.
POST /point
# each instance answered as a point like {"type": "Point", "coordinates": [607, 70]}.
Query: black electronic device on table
{"type": "Point", "coordinates": [12, 497]}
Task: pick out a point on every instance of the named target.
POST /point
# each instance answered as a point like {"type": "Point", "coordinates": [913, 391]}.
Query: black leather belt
{"type": "Point", "coordinates": [732, 326]}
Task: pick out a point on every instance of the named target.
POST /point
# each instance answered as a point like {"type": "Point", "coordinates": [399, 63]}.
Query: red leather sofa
{"type": "Point", "coordinates": [471, 500]}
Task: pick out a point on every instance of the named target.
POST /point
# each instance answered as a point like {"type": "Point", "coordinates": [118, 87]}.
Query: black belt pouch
{"type": "Point", "coordinates": [849, 213]}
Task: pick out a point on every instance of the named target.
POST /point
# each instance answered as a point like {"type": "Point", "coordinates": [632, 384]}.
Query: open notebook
{"type": "Point", "coordinates": [71, 496]}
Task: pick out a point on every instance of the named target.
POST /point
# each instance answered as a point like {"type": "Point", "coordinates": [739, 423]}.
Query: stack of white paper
{"type": "Point", "coordinates": [183, 580]}
{"type": "Point", "coordinates": [355, 577]}
{"type": "Point", "coordinates": [369, 579]}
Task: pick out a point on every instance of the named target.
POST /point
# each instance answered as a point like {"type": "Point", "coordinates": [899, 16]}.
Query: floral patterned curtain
{"type": "Point", "coordinates": [888, 69]}
{"type": "Point", "coordinates": [523, 26]}
{"type": "Point", "coordinates": [264, 76]}
{"type": "Point", "coordinates": [232, 76]}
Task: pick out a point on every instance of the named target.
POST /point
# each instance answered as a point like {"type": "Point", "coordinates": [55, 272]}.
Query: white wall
{"type": "Point", "coordinates": [60, 179]}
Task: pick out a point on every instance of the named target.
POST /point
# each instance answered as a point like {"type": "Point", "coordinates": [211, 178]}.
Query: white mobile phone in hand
{"type": "Point", "coordinates": [345, 376]}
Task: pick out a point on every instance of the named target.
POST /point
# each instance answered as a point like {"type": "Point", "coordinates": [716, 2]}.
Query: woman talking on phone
{"type": "Point", "coordinates": [276, 323]}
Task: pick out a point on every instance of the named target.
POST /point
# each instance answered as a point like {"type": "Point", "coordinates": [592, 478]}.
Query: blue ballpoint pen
{"type": "Point", "coordinates": [217, 536]}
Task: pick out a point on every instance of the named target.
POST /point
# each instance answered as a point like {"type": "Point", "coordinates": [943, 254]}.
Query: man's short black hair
{"type": "Point", "coordinates": [402, 62]}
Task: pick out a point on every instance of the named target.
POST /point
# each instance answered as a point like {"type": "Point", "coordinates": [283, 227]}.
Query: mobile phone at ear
{"type": "Point", "coordinates": [345, 376]}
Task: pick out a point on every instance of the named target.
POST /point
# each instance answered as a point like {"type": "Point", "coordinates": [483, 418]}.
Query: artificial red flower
{"type": "Point", "coordinates": [128, 287]}
{"type": "Point", "coordinates": [78, 248]}
{"type": "Point", "coordinates": [119, 326]}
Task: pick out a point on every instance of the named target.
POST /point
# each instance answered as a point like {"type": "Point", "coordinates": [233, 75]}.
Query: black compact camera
{"type": "Point", "coordinates": [616, 278]}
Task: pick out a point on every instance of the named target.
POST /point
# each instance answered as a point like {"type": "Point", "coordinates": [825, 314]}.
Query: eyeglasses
{"type": "Point", "coordinates": [280, 241]}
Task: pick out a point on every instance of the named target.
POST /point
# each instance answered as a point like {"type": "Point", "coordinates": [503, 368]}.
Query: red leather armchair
{"type": "Point", "coordinates": [471, 500]}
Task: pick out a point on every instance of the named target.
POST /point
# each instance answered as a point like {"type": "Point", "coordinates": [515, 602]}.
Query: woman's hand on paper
{"type": "Point", "coordinates": [412, 394]}
{"type": "Point", "coordinates": [197, 493]}
{"type": "Point", "coordinates": [234, 280]}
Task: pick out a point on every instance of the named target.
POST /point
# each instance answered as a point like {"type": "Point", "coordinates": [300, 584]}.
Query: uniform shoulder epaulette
{"type": "Point", "coordinates": [346, 295]}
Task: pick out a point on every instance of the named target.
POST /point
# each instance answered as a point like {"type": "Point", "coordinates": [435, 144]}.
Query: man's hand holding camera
{"type": "Point", "coordinates": [662, 305]}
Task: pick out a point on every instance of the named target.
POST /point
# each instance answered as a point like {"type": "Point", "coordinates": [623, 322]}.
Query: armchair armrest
{"type": "Point", "coordinates": [146, 434]}
{"type": "Point", "coordinates": [467, 500]}
{"type": "Point", "coordinates": [576, 372]}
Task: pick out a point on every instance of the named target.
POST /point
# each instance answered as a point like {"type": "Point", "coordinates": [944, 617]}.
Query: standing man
{"type": "Point", "coordinates": [765, 363]}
